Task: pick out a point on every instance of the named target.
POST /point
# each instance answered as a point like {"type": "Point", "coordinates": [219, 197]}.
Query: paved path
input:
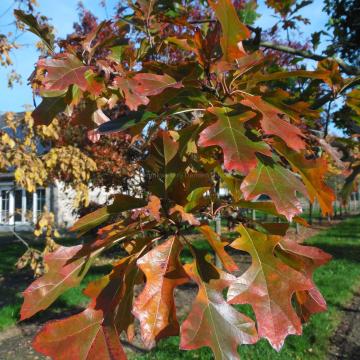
{"type": "Point", "coordinates": [345, 344]}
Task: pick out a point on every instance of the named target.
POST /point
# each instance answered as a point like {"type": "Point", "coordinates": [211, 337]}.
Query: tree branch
{"type": "Point", "coordinates": [348, 69]}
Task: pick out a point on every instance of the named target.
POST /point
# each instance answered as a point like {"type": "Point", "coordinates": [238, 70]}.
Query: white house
{"type": "Point", "coordinates": [20, 209]}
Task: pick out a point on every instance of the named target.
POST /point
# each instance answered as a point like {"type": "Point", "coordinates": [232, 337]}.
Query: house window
{"type": "Point", "coordinates": [5, 206]}
{"type": "Point", "coordinates": [29, 206]}
{"type": "Point", "coordinates": [18, 205]}
{"type": "Point", "coordinates": [41, 201]}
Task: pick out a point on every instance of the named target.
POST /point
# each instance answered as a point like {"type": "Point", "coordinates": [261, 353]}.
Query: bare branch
{"type": "Point", "coordinates": [348, 69]}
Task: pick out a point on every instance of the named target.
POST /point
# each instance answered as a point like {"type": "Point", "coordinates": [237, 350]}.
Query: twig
{"type": "Point", "coordinates": [20, 238]}
{"type": "Point", "coordinates": [350, 70]}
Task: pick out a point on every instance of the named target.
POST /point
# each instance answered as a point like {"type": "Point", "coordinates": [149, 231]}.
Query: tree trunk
{"type": "Point", "coordinates": [310, 213]}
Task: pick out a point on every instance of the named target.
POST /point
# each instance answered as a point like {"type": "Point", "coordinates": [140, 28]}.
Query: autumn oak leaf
{"type": "Point", "coordinates": [279, 183]}
{"type": "Point", "coordinates": [268, 286]}
{"type": "Point", "coordinates": [273, 122]}
{"type": "Point", "coordinates": [212, 321]}
{"type": "Point", "coordinates": [305, 259]}
{"type": "Point", "coordinates": [66, 270]}
{"type": "Point", "coordinates": [313, 174]}
{"type": "Point", "coordinates": [155, 306]}
{"type": "Point", "coordinates": [233, 31]}
{"type": "Point", "coordinates": [94, 331]}
{"type": "Point", "coordinates": [63, 71]}
{"type": "Point", "coordinates": [229, 133]}
{"type": "Point", "coordinates": [137, 89]}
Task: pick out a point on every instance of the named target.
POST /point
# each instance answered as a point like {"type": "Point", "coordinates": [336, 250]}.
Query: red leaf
{"type": "Point", "coordinates": [152, 84]}
{"type": "Point", "coordinates": [305, 259]}
{"type": "Point", "coordinates": [279, 184]}
{"type": "Point", "coordinates": [93, 332]}
{"type": "Point", "coordinates": [273, 124]}
{"type": "Point", "coordinates": [155, 307]}
{"type": "Point", "coordinates": [80, 337]}
{"type": "Point", "coordinates": [137, 89]}
{"type": "Point", "coordinates": [229, 133]}
{"type": "Point", "coordinates": [212, 321]}
{"type": "Point", "coordinates": [268, 285]}
{"type": "Point", "coordinates": [68, 266]}
{"type": "Point", "coordinates": [64, 71]}
{"type": "Point", "coordinates": [133, 100]}
{"type": "Point", "coordinates": [66, 270]}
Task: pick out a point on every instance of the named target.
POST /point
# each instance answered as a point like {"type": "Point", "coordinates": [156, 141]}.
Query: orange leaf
{"type": "Point", "coordinates": [155, 307]}
{"type": "Point", "coordinates": [218, 246]}
{"type": "Point", "coordinates": [233, 30]}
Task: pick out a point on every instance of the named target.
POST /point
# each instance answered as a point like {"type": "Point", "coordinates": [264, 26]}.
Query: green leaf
{"type": "Point", "coordinates": [121, 203]}
{"type": "Point", "coordinates": [42, 31]}
{"type": "Point", "coordinates": [48, 109]}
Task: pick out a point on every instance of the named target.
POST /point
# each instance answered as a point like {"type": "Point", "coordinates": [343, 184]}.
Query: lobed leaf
{"type": "Point", "coordinates": [233, 31]}
{"type": "Point", "coordinates": [279, 184]}
{"type": "Point", "coordinates": [94, 332]}
{"type": "Point", "coordinates": [63, 71]}
{"type": "Point", "coordinates": [313, 175]}
{"type": "Point", "coordinates": [305, 259]}
{"type": "Point", "coordinates": [268, 285]}
{"type": "Point", "coordinates": [66, 270]}
{"type": "Point", "coordinates": [229, 133]}
{"type": "Point", "coordinates": [212, 321]}
{"type": "Point", "coordinates": [155, 306]}
{"type": "Point", "coordinates": [274, 124]}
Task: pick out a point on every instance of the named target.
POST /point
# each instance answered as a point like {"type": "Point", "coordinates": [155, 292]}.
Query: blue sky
{"type": "Point", "coordinates": [63, 14]}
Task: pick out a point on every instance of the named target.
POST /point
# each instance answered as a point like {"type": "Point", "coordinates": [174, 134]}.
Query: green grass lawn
{"type": "Point", "coordinates": [19, 280]}
{"type": "Point", "coordinates": [336, 280]}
